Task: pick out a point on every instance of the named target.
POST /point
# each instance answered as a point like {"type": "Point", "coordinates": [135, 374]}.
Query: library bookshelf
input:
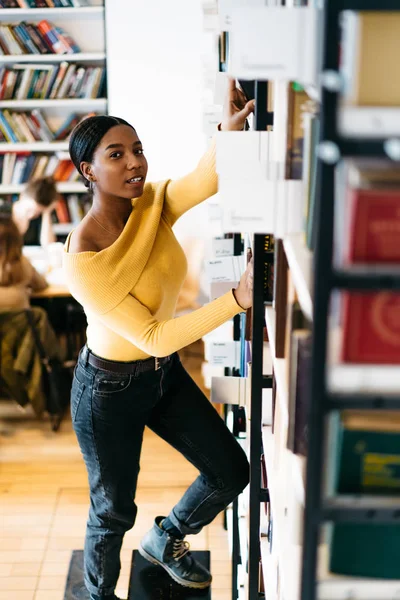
{"type": "Point", "coordinates": [292, 509]}
{"type": "Point", "coordinates": [82, 63]}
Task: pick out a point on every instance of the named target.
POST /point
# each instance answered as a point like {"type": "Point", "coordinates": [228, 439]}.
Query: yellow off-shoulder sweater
{"type": "Point", "coordinates": [129, 290]}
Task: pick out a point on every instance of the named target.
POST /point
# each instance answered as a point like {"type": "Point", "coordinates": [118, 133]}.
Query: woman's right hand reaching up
{"type": "Point", "coordinates": [244, 292]}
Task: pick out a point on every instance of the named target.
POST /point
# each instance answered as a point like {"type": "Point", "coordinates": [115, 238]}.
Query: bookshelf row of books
{"type": "Point", "coordinates": [19, 168]}
{"type": "Point", "coordinates": [71, 208]}
{"type": "Point", "coordinates": [368, 103]}
{"type": "Point", "coordinates": [66, 80]}
{"type": "Point", "coordinates": [32, 126]}
{"type": "Point", "coordinates": [36, 38]}
{"type": "Point", "coordinates": [43, 3]}
{"type": "Point", "coordinates": [276, 171]}
{"type": "Point", "coordinates": [361, 450]}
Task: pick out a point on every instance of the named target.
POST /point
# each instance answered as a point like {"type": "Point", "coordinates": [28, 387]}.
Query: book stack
{"type": "Point", "coordinates": [366, 237]}
{"type": "Point", "coordinates": [364, 457]}
{"type": "Point", "coordinates": [35, 38]}
{"type": "Point", "coordinates": [71, 208]}
{"type": "Point", "coordinates": [66, 80]}
{"type": "Point", "coordinates": [19, 167]}
{"type": "Point", "coordinates": [21, 126]}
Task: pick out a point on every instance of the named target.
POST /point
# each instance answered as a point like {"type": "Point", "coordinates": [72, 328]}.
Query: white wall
{"type": "Point", "coordinates": [154, 78]}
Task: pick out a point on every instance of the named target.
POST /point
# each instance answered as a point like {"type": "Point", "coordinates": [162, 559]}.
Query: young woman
{"type": "Point", "coordinates": [125, 266]}
{"type": "Point", "coordinates": [32, 212]}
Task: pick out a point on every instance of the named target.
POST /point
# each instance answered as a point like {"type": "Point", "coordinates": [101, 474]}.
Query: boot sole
{"type": "Point", "coordinates": [183, 582]}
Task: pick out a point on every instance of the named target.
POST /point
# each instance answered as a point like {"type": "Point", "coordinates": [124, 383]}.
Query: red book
{"type": "Point", "coordinates": [371, 321]}
{"type": "Point", "coordinates": [62, 211]}
{"type": "Point", "coordinates": [374, 226]}
{"type": "Point", "coordinates": [371, 328]}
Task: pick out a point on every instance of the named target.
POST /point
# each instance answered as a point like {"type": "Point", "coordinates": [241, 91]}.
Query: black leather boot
{"type": "Point", "coordinates": [172, 554]}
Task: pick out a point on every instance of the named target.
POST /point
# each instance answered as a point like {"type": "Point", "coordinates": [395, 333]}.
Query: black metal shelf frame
{"type": "Point", "coordinates": [318, 511]}
{"type": "Point", "coordinates": [258, 383]}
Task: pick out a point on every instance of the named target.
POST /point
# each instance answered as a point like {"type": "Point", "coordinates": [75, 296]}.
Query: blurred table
{"type": "Point", "coordinates": [47, 261]}
{"type": "Point", "coordinates": [53, 291]}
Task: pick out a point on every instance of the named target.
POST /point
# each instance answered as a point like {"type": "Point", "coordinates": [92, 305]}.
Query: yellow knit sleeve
{"type": "Point", "coordinates": [202, 183]}
{"type": "Point", "coordinates": [134, 322]}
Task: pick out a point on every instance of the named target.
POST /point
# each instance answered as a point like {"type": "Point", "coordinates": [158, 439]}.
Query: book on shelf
{"type": "Point", "coordinates": [32, 126]}
{"type": "Point", "coordinates": [370, 46]}
{"type": "Point", "coordinates": [242, 167]}
{"type": "Point", "coordinates": [222, 246]}
{"type": "Point", "coordinates": [269, 268]}
{"type": "Point", "coordinates": [66, 80]}
{"type": "Point", "coordinates": [299, 380]}
{"type": "Point", "coordinates": [20, 167]}
{"type": "Point", "coordinates": [35, 38]}
{"type": "Point", "coordinates": [280, 297]}
{"type": "Point", "coordinates": [368, 206]}
{"type": "Point", "coordinates": [311, 128]}
{"type": "Point", "coordinates": [297, 104]}
{"type": "Point", "coordinates": [225, 353]}
{"type": "Point", "coordinates": [71, 208]}
{"type": "Point", "coordinates": [223, 274]}
{"type": "Point", "coordinates": [274, 392]}
{"type": "Point", "coordinates": [43, 3]}
{"type": "Point", "coordinates": [364, 456]}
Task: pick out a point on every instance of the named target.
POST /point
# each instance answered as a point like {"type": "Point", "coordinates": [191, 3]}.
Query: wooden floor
{"type": "Point", "coordinates": [44, 503]}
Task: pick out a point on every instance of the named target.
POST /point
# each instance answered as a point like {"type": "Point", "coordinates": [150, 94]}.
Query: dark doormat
{"type": "Point", "coordinates": [75, 588]}
{"type": "Point", "coordinates": [147, 581]}
{"type": "Point", "coordinates": [150, 582]}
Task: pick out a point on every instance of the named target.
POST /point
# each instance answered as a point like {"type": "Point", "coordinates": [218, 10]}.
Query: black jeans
{"type": "Point", "coordinates": [109, 413]}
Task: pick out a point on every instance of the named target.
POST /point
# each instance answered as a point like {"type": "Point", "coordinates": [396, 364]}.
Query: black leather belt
{"type": "Point", "coordinates": [135, 366]}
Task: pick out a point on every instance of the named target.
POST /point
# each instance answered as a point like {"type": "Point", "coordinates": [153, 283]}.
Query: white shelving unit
{"type": "Point", "coordinates": [34, 147]}
{"type": "Point", "coordinates": [299, 259]}
{"type": "Point", "coordinates": [279, 365]}
{"type": "Point", "coordinates": [43, 13]}
{"type": "Point", "coordinates": [86, 27]}
{"type": "Point", "coordinates": [72, 104]}
{"type": "Point", "coordinates": [369, 121]}
{"type": "Point", "coordinates": [64, 187]}
{"type": "Point", "coordinates": [53, 58]}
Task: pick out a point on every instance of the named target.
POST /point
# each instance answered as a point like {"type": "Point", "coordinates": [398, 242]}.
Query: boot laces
{"type": "Point", "coordinates": [180, 549]}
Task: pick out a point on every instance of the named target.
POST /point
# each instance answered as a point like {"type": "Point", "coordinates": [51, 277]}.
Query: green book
{"type": "Point", "coordinates": [367, 463]}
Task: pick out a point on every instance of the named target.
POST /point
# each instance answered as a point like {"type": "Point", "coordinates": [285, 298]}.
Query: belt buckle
{"type": "Point", "coordinates": [157, 364]}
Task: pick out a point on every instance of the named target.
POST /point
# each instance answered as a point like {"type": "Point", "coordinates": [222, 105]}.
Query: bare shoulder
{"type": "Point", "coordinates": [83, 240]}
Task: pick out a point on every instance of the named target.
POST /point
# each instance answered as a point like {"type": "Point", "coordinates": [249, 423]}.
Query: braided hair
{"type": "Point", "coordinates": [87, 135]}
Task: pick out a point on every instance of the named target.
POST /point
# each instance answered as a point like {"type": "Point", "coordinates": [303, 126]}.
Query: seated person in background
{"type": "Point", "coordinates": [32, 212]}
{"type": "Point", "coordinates": [20, 365]}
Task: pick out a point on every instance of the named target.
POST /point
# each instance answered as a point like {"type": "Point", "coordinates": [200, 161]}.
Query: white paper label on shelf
{"type": "Point", "coordinates": [248, 206]}
{"type": "Point", "coordinates": [242, 154]}
{"type": "Point", "coordinates": [226, 354]}
{"type": "Point", "coordinates": [269, 43]}
{"type": "Point", "coordinates": [222, 247]}
{"type": "Point", "coordinates": [228, 390]}
{"type": "Point", "coordinates": [225, 8]}
{"type": "Point", "coordinates": [225, 268]}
